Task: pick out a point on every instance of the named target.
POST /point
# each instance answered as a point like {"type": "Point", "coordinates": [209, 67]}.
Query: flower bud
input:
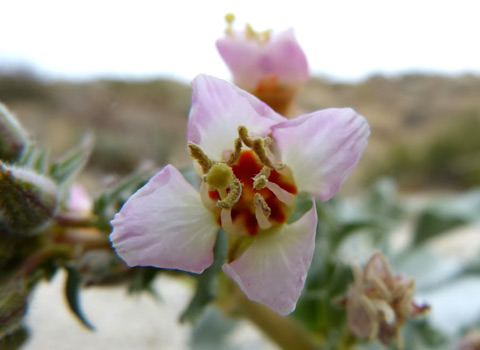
{"type": "Point", "coordinates": [27, 199]}
{"type": "Point", "coordinates": [12, 136]}
{"type": "Point", "coordinates": [471, 341]}
{"type": "Point", "coordinates": [380, 302]}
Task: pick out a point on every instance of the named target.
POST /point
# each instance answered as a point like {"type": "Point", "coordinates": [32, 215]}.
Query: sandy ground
{"type": "Point", "coordinates": [142, 322]}
{"type": "Point", "coordinates": [122, 322]}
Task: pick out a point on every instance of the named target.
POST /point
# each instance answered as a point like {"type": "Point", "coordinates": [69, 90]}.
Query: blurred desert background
{"type": "Point", "coordinates": [424, 127]}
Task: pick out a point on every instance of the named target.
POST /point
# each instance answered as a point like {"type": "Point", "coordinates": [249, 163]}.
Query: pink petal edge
{"type": "Point", "coordinates": [218, 108]}
{"type": "Point", "coordinates": [322, 148]}
{"type": "Point", "coordinates": [272, 271]}
{"type": "Point", "coordinates": [164, 224]}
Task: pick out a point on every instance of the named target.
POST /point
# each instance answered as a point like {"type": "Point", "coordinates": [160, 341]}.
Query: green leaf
{"type": "Point", "coordinates": [206, 282]}
{"type": "Point", "coordinates": [211, 331]}
{"type": "Point", "coordinates": [447, 214]}
{"type": "Point", "coordinates": [142, 278]}
{"type": "Point", "coordinates": [14, 340]}
{"type": "Point", "coordinates": [72, 162]}
{"type": "Point", "coordinates": [34, 158]}
{"type": "Point", "coordinates": [13, 137]}
{"type": "Point", "coordinates": [113, 198]}
{"type": "Point", "coordinates": [72, 288]}
{"type": "Point", "coordinates": [304, 204]}
{"type": "Point", "coordinates": [382, 200]}
{"type": "Point", "coordinates": [13, 305]}
{"type": "Point", "coordinates": [419, 334]}
{"type": "Point", "coordinates": [326, 280]}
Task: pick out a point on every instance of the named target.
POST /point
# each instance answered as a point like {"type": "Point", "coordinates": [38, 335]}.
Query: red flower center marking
{"type": "Point", "coordinates": [245, 169]}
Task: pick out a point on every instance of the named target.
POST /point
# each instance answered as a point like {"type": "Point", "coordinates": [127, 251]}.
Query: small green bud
{"type": "Point", "coordinates": [27, 199]}
{"type": "Point", "coordinates": [13, 137]}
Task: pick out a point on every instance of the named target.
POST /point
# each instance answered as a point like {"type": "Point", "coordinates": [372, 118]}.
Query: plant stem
{"type": "Point", "coordinates": [284, 331]}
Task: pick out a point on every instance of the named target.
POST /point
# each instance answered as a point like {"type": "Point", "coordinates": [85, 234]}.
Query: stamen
{"type": "Point", "coordinates": [226, 219]}
{"type": "Point", "coordinates": [261, 37]}
{"type": "Point", "coordinates": [259, 148]}
{"type": "Point", "coordinates": [386, 310]}
{"type": "Point", "coordinates": [371, 310]}
{"type": "Point", "coordinates": [201, 158]}
{"type": "Point", "coordinates": [261, 179]}
{"type": "Point", "coordinates": [204, 196]}
{"type": "Point", "coordinates": [220, 176]}
{"type": "Point", "coordinates": [249, 32]}
{"type": "Point", "coordinates": [381, 287]}
{"type": "Point", "coordinates": [236, 153]}
{"type": "Point", "coordinates": [259, 182]}
{"type": "Point", "coordinates": [243, 133]}
{"type": "Point", "coordinates": [233, 196]}
{"type": "Point", "coordinates": [262, 212]}
{"type": "Point", "coordinates": [284, 196]}
{"type": "Point", "coordinates": [265, 171]}
{"type": "Point", "coordinates": [267, 141]}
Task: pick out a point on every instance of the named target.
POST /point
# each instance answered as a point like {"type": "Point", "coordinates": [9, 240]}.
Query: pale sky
{"type": "Point", "coordinates": [346, 39]}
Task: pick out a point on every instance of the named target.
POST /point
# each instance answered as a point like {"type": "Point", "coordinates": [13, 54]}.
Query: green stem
{"type": "Point", "coordinates": [284, 331]}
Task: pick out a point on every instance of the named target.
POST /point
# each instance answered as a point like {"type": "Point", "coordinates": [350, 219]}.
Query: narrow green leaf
{"type": "Point", "coordinates": [73, 161]}
{"type": "Point", "coordinates": [72, 288]}
{"type": "Point", "coordinates": [33, 157]}
{"type": "Point", "coordinates": [119, 193]}
{"type": "Point", "coordinates": [206, 282]}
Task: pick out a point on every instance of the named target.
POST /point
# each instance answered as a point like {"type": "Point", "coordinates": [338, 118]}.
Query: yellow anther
{"type": "Point", "coordinates": [201, 158]}
{"type": "Point", "coordinates": [259, 182]}
{"type": "Point", "coordinates": [260, 37]}
{"type": "Point", "coordinates": [243, 133]}
{"type": "Point", "coordinates": [261, 179]}
{"type": "Point", "coordinates": [259, 148]}
{"type": "Point", "coordinates": [229, 18]}
{"type": "Point", "coordinates": [233, 196]}
{"type": "Point", "coordinates": [250, 33]}
{"type": "Point", "coordinates": [236, 153]}
{"type": "Point", "coordinates": [220, 176]}
{"type": "Point", "coordinates": [260, 203]}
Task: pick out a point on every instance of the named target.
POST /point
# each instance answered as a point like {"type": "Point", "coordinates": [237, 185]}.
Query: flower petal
{"type": "Point", "coordinates": [250, 61]}
{"type": "Point", "coordinates": [285, 58]}
{"type": "Point", "coordinates": [273, 269]}
{"type": "Point", "coordinates": [164, 224]}
{"type": "Point", "coordinates": [241, 56]}
{"type": "Point", "coordinates": [218, 108]}
{"type": "Point", "coordinates": [322, 148]}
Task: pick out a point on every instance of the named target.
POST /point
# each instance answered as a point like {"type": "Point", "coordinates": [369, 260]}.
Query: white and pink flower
{"type": "Point", "coordinates": [253, 163]}
{"type": "Point", "coordinates": [273, 68]}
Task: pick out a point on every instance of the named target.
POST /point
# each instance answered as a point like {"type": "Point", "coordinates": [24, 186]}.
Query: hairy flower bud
{"type": "Point", "coordinates": [27, 199]}
{"type": "Point", "coordinates": [12, 136]}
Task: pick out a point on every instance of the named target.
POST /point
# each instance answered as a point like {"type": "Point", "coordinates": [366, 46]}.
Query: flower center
{"type": "Point", "coordinates": [248, 192]}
